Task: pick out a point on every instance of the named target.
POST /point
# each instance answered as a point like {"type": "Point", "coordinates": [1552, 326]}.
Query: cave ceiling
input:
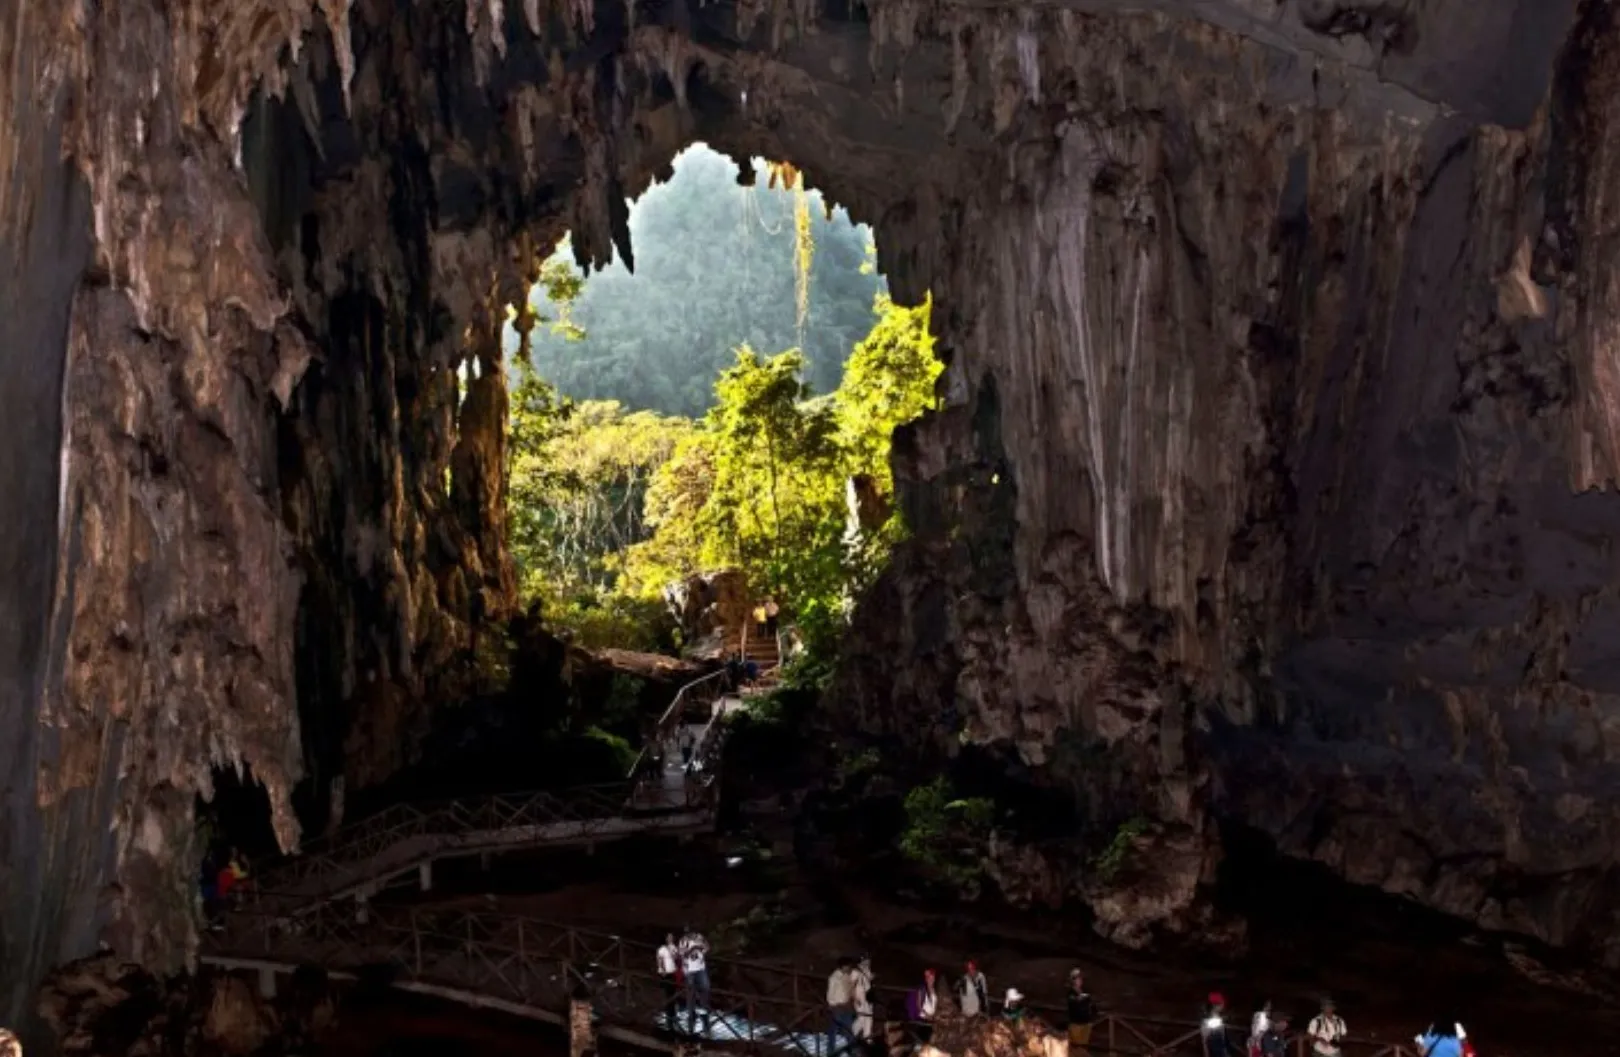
{"type": "Point", "coordinates": [1271, 482]}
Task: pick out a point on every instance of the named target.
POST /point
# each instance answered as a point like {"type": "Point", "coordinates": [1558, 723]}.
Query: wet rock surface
{"type": "Point", "coordinates": [1269, 481]}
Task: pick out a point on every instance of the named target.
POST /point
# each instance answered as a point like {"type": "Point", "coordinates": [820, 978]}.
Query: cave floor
{"type": "Point", "coordinates": [1389, 975]}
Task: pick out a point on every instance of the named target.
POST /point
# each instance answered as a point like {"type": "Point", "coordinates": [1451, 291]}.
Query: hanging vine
{"type": "Point", "coordinates": [804, 244]}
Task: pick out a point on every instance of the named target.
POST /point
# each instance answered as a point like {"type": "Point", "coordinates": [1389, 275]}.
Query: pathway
{"type": "Point", "coordinates": [531, 968]}
{"type": "Point", "coordinates": [404, 841]}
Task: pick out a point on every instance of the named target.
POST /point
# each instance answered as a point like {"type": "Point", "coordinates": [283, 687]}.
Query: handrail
{"type": "Point", "coordinates": [537, 964]}
{"type": "Point", "coordinates": [668, 720]}
{"type": "Point", "coordinates": [385, 845]}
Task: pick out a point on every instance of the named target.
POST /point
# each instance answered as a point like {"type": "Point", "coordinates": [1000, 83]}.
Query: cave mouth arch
{"type": "Point", "coordinates": [1110, 234]}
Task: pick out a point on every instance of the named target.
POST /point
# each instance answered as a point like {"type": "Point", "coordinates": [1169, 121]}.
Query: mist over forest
{"type": "Point", "coordinates": [715, 269]}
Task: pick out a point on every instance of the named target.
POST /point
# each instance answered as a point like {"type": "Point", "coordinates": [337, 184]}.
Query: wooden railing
{"type": "Point", "coordinates": [358, 858]}
{"type": "Point", "coordinates": [697, 697]}
{"type": "Point", "coordinates": [530, 964]}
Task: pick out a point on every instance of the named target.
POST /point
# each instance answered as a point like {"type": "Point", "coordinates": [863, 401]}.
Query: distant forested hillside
{"type": "Point", "coordinates": [715, 269]}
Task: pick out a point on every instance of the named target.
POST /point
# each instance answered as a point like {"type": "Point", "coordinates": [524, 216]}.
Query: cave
{"type": "Point", "coordinates": [1270, 486]}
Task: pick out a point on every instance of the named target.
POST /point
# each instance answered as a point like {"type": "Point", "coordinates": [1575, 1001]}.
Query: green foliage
{"type": "Point", "coordinates": [944, 834]}
{"type": "Point", "coordinates": [718, 265]}
{"type": "Point", "coordinates": [608, 506]}
{"type": "Point", "coordinates": [623, 706]}
{"type": "Point", "coordinates": [888, 381]}
{"type": "Point", "coordinates": [577, 489]}
{"type": "Point", "coordinates": [762, 486]}
{"type": "Point", "coordinates": [859, 765]}
{"type": "Point", "coordinates": [623, 754]}
{"type": "Point", "coordinates": [1108, 862]}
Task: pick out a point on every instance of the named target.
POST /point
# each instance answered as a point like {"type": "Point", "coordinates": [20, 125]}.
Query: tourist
{"type": "Point", "coordinates": [759, 620]}
{"type": "Point", "coordinates": [1212, 1032]}
{"type": "Point", "coordinates": [10, 1045]}
{"type": "Point", "coordinates": [1326, 1030]}
{"type": "Point", "coordinates": [1274, 1039]}
{"type": "Point", "coordinates": [694, 952]}
{"type": "Point", "coordinates": [669, 977]}
{"type": "Point", "coordinates": [734, 670]}
{"type": "Point", "coordinates": [231, 878]}
{"type": "Point", "coordinates": [772, 611]}
{"type": "Point", "coordinates": [1441, 1039]}
{"type": "Point", "coordinates": [861, 996]}
{"type": "Point", "coordinates": [921, 1005]}
{"type": "Point", "coordinates": [1082, 1013]}
{"type": "Point", "coordinates": [688, 747]}
{"type": "Point", "coordinates": [1012, 1007]}
{"type": "Point", "coordinates": [841, 1006]}
{"type": "Point", "coordinates": [973, 991]}
{"type": "Point", "coordinates": [1258, 1027]}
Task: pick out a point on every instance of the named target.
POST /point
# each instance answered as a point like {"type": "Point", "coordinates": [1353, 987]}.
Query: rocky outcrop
{"type": "Point", "coordinates": [105, 1008]}
{"type": "Point", "coordinates": [1268, 480]}
{"type": "Point", "coordinates": [707, 606]}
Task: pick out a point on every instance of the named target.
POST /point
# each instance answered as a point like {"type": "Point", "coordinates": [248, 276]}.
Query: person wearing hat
{"type": "Point", "coordinates": [1012, 1007]}
{"type": "Point", "coordinates": [1212, 1032]}
{"type": "Point", "coordinates": [1326, 1030]}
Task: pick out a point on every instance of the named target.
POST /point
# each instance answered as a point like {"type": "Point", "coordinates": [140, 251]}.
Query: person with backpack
{"type": "Point", "coordinates": [921, 1005]}
{"type": "Point", "coordinates": [1441, 1039]}
{"type": "Point", "coordinates": [1326, 1030]}
{"type": "Point", "coordinates": [973, 991]}
{"type": "Point", "coordinates": [1012, 1007]}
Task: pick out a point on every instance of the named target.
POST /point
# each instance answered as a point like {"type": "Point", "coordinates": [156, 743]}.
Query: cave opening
{"type": "Point", "coordinates": [1205, 322]}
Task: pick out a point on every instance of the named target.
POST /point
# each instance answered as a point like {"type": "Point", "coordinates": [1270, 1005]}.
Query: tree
{"type": "Point", "coordinates": [888, 381]}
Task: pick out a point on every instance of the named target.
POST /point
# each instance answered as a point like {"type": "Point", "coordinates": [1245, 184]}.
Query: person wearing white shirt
{"type": "Point", "coordinates": [861, 994]}
{"type": "Point", "coordinates": [1326, 1031]}
{"type": "Point", "coordinates": [694, 952]}
{"type": "Point", "coordinates": [669, 977]}
{"type": "Point", "coordinates": [841, 1006]}
{"type": "Point", "coordinates": [1258, 1028]}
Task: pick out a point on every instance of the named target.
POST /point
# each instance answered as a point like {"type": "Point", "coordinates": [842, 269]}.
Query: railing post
{"type": "Point", "coordinates": [416, 942]}
{"type": "Point", "coordinates": [581, 1036]}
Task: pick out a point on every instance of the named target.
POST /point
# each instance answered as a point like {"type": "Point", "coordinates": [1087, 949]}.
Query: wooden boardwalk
{"type": "Point", "coordinates": [316, 909]}
{"type": "Point", "coordinates": [531, 968]}
{"type": "Point", "coordinates": [672, 791]}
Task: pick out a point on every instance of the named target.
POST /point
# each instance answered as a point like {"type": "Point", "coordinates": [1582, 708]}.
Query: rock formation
{"type": "Point", "coordinates": [1270, 479]}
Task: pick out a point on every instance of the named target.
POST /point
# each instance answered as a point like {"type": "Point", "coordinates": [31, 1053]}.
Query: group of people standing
{"type": "Point", "coordinates": [1324, 1035]}
{"type": "Point", "coordinates": [683, 973]}
{"type": "Point", "coordinates": [849, 1002]}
